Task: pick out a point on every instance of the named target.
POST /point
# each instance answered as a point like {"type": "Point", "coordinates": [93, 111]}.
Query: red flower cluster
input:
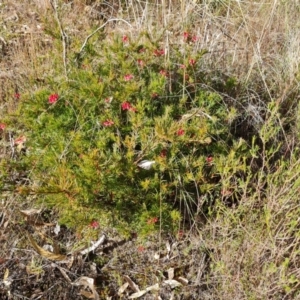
{"type": "Point", "coordinates": [108, 123]}
{"type": "Point", "coordinates": [128, 77]}
{"type": "Point", "coordinates": [163, 153]}
{"type": "Point", "coordinates": [187, 37]}
{"type": "Point", "coordinates": [108, 99]}
{"type": "Point", "coordinates": [53, 98]}
{"type": "Point", "coordinates": [141, 63]}
{"type": "Point", "coordinates": [2, 126]}
{"type": "Point", "coordinates": [180, 234]}
{"type": "Point", "coordinates": [127, 106]}
{"type": "Point", "coordinates": [180, 132]}
{"type": "Point", "coordinates": [209, 159]}
{"type": "Point", "coordinates": [141, 248]}
{"type": "Point", "coordinates": [226, 193]}
{"type": "Point", "coordinates": [125, 39]}
{"type": "Point", "coordinates": [194, 38]}
{"type": "Point", "coordinates": [159, 52]}
{"type": "Point", "coordinates": [94, 224]}
{"type": "Point", "coordinates": [152, 221]}
{"type": "Point", "coordinates": [154, 96]}
{"type": "Point", "coordinates": [192, 62]}
{"type": "Point", "coordinates": [163, 73]}
{"type": "Point", "coordinates": [17, 96]}
{"type": "Point", "coordinates": [20, 140]}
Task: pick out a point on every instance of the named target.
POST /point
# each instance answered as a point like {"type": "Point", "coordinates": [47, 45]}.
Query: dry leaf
{"type": "Point", "coordinates": [88, 282]}
{"type": "Point", "coordinates": [85, 281]}
{"type": "Point", "coordinates": [56, 230]}
{"type": "Point", "coordinates": [154, 287]}
{"type": "Point", "coordinates": [6, 273]}
{"type": "Point", "coordinates": [183, 280]}
{"type": "Point", "coordinates": [70, 262]}
{"type": "Point", "coordinates": [133, 286]}
{"type": "Point", "coordinates": [168, 246]}
{"type": "Point", "coordinates": [156, 255]}
{"type": "Point", "coordinates": [123, 288]}
{"type": "Point", "coordinates": [171, 273]}
{"type": "Point", "coordinates": [44, 253]}
{"type": "Point", "coordinates": [138, 294]}
{"type": "Point", "coordinates": [86, 294]}
{"type": "Point", "coordinates": [30, 212]}
{"type": "Point", "coordinates": [7, 282]}
{"type": "Point", "coordinates": [172, 283]}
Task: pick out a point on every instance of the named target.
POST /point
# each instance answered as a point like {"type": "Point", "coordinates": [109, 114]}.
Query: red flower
{"type": "Point", "coordinates": [186, 35]}
{"type": "Point", "coordinates": [180, 132]}
{"type": "Point", "coordinates": [128, 77]}
{"type": "Point", "coordinates": [159, 52]}
{"type": "Point", "coordinates": [126, 105]}
{"type": "Point", "coordinates": [163, 73]}
{"type": "Point", "coordinates": [94, 224]}
{"type": "Point", "coordinates": [17, 96]}
{"type": "Point", "coordinates": [140, 248]}
{"type": "Point", "coordinates": [152, 221]}
{"type": "Point", "coordinates": [194, 38]}
{"type": "Point", "coordinates": [226, 193]}
{"type": "Point", "coordinates": [108, 99]}
{"type": "Point", "coordinates": [180, 234]}
{"type": "Point", "coordinates": [53, 98]}
{"type": "Point", "coordinates": [163, 153]}
{"type": "Point", "coordinates": [108, 123]}
{"type": "Point", "coordinates": [125, 39]}
{"type": "Point", "coordinates": [192, 62]}
{"type": "Point", "coordinates": [154, 96]}
{"type": "Point", "coordinates": [20, 140]}
{"type": "Point", "coordinates": [2, 126]}
{"type": "Point", "coordinates": [141, 63]}
{"type": "Point", "coordinates": [209, 159]}
{"type": "Point", "coordinates": [182, 66]}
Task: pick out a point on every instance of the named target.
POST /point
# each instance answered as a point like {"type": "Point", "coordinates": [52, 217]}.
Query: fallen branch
{"type": "Point", "coordinates": [92, 248]}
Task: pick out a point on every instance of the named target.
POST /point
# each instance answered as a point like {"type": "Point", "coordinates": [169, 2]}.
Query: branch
{"type": "Point", "coordinates": [64, 36]}
{"type": "Point", "coordinates": [95, 245]}
{"type": "Point", "coordinates": [94, 32]}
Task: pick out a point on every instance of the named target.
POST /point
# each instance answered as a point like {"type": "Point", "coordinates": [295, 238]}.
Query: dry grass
{"type": "Point", "coordinates": [253, 248]}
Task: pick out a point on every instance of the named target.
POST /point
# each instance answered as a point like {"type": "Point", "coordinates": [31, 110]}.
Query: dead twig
{"type": "Point", "coordinates": [64, 36]}
{"type": "Point", "coordinates": [95, 31]}
{"type": "Point", "coordinates": [95, 245]}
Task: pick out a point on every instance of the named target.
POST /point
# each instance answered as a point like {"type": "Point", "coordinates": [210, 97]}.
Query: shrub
{"type": "Point", "coordinates": [126, 105]}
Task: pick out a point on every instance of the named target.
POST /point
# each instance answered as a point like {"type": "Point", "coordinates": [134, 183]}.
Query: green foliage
{"type": "Point", "coordinates": [127, 102]}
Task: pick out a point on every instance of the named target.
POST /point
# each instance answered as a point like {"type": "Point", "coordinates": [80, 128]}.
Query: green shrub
{"type": "Point", "coordinates": [127, 103]}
